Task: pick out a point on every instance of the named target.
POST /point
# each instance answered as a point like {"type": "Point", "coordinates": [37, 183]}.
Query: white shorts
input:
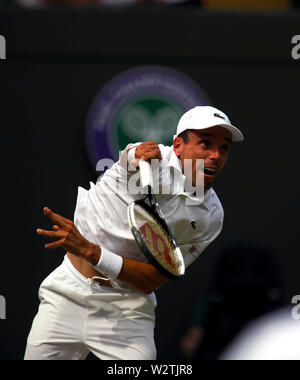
{"type": "Point", "coordinates": [78, 316]}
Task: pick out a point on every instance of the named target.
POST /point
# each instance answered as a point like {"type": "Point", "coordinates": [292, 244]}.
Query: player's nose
{"type": "Point", "coordinates": [214, 155]}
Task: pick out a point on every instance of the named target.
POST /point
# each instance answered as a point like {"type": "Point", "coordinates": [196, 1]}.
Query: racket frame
{"type": "Point", "coordinates": [155, 212]}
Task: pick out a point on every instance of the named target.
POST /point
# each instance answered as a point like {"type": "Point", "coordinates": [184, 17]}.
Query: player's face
{"type": "Point", "coordinates": [211, 145]}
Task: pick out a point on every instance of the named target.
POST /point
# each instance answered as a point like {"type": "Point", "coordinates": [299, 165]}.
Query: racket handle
{"type": "Point", "coordinates": [146, 174]}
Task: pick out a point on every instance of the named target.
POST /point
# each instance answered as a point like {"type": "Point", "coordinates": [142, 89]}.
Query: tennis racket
{"type": "Point", "coordinates": [151, 231]}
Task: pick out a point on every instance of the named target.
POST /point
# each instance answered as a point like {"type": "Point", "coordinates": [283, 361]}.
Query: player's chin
{"type": "Point", "coordinates": [209, 180]}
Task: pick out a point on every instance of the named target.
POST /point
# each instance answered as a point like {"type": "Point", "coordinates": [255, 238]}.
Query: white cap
{"type": "Point", "coordinates": [204, 117]}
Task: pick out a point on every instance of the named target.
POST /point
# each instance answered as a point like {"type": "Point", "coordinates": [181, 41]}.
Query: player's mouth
{"type": "Point", "coordinates": [210, 171]}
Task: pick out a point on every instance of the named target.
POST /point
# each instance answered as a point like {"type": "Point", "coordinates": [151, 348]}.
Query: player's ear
{"type": "Point", "coordinates": [178, 146]}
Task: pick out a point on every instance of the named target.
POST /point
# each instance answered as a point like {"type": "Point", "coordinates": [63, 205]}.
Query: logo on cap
{"type": "Point", "coordinates": [220, 116]}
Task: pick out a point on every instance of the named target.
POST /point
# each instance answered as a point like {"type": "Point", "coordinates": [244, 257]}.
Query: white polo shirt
{"type": "Point", "coordinates": [101, 212]}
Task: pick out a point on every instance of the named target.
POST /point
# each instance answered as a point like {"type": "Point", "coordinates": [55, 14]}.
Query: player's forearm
{"type": "Point", "coordinates": [140, 276]}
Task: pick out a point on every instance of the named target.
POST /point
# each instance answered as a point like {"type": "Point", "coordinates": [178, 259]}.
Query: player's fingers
{"type": "Point", "coordinates": [155, 154]}
{"type": "Point", "coordinates": [152, 147]}
{"type": "Point", "coordinates": [150, 143]}
{"type": "Point", "coordinates": [55, 228]}
{"type": "Point", "coordinates": [56, 218]}
{"type": "Point", "coordinates": [49, 234]}
{"type": "Point", "coordinates": [148, 150]}
{"type": "Point", "coordinates": [55, 244]}
{"type": "Point", "coordinates": [64, 221]}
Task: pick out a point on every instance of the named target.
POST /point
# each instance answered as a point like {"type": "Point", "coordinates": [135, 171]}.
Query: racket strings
{"type": "Point", "coordinates": [156, 238]}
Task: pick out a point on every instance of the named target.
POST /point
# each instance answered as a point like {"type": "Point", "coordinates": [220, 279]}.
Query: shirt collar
{"type": "Point", "coordinates": [174, 162]}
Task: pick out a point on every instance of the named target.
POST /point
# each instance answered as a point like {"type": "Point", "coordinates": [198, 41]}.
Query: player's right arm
{"type": "Point", "coordinates": [138, 275]}
{"type": "Point", "coordinates": [141, 276]}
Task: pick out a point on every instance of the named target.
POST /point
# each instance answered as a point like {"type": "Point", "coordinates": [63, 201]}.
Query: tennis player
{"type": "Point", "coordinates": [101, 299]}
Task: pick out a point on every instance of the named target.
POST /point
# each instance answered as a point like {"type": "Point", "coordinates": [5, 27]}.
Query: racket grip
{"type": "Point", "coordinates": [146, 174]}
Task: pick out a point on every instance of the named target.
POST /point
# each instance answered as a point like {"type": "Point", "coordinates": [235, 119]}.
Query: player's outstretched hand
{"type": "Point", "coordinates": [65, 235]}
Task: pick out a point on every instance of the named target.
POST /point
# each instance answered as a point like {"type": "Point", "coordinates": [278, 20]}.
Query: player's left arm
{"type": "Point", "coordinates": [141, 276]}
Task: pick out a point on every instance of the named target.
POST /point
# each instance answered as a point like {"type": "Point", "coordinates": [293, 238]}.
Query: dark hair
{"type": "Point", "coordinates": [185, 136]}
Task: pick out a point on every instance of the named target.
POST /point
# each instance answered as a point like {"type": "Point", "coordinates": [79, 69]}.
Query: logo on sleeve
{"type": "Point", "coordinates": [193, 249]}
{"type": "Point", "coordinates": [194, 224]}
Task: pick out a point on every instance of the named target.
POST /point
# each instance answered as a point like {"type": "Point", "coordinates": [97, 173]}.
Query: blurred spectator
{"type": "Point", "coordinates": [275, 336]}
{"type": "Point", "coordinates": [208, 4]}
{"type": "Point", "coordinates": [196, 2]}
{"type": "Point", "coordinates": [247, 284]}
{"type": "Point", "coordinates": [248, 4]}
{"type": "Point", "coordinates": [45, 3]}
{"type": "Point", "coordinates": [41, 3]}
{"type": "Point", "coordinates": [30, 3]}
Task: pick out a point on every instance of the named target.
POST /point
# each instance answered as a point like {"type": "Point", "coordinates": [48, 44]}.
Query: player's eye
{"type": "Point", "coordinates": [205, 143]}
{"type": "Point", "coordinates": [224, 148]}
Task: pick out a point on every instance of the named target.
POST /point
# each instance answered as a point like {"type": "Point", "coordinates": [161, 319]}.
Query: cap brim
{"type": "Point", "coordinates": [237, 135]}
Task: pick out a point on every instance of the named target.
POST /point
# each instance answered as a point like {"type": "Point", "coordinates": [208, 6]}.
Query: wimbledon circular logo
{"type": "Point", "coordinates": [142, 104]}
